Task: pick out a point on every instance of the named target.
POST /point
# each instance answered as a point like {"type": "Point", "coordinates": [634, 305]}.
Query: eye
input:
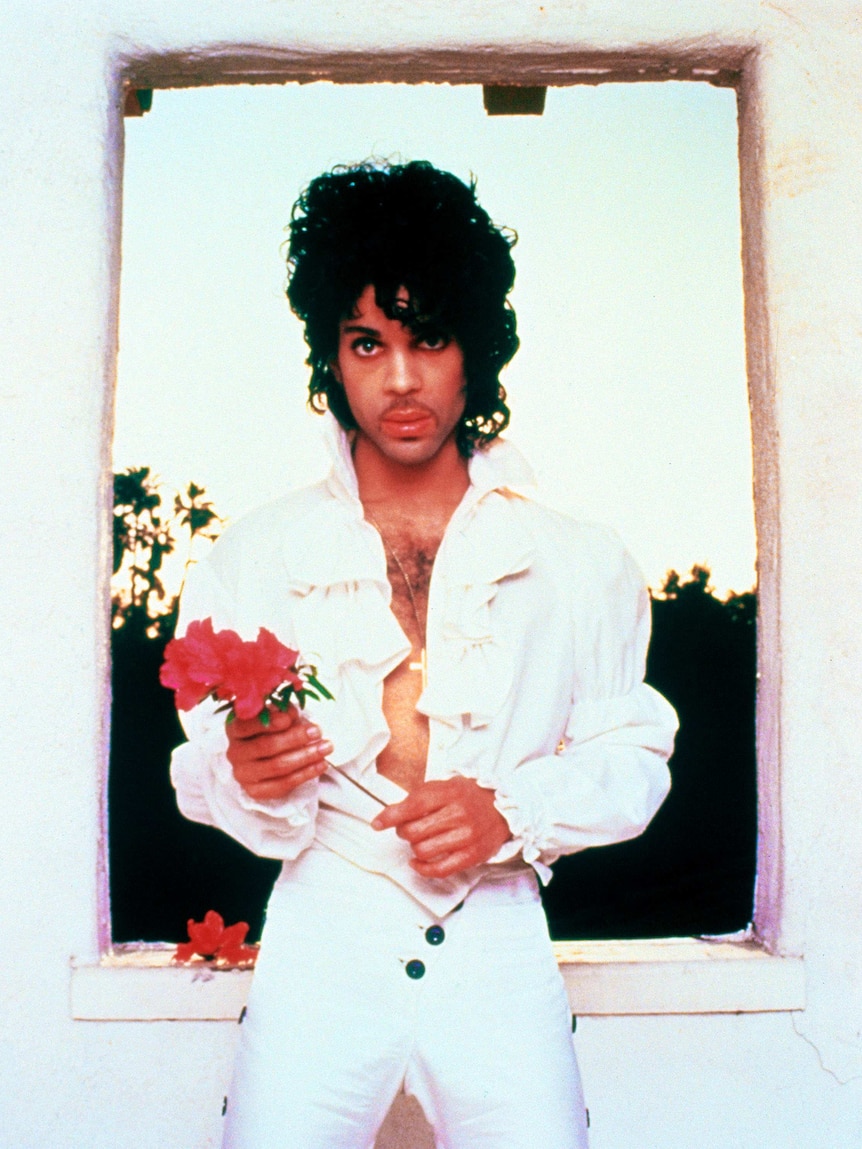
{"type": "Point", "coordinates": [364, 345]}
{"type": "Point", "coordinates": [433, 341]}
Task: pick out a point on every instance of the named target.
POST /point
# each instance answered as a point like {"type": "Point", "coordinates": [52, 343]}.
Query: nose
{"type": "Point", "coordinates": [404, 374]}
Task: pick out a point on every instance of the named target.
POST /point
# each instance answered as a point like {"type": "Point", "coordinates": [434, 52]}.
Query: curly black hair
{"type": "Point", "coordinates": [405, 226]}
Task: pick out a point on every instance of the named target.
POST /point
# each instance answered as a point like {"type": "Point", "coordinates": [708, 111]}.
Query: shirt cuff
{"type": "Point", "coordinates": [523, 839]}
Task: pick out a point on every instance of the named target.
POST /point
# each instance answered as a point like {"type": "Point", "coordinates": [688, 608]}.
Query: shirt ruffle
{"type": "Point", "coordinates": [474, 655]}
{"type": "Point", "coordinates": [342, 624]}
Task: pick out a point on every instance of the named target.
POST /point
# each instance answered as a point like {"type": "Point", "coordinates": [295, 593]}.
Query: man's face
{"type": "Point", "coordinates": [405, 389]}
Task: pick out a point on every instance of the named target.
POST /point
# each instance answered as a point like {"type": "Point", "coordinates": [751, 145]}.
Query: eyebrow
{"type": "Point", "coordinates": [356, 328]}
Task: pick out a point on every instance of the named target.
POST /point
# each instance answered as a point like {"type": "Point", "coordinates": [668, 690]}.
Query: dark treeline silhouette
{"type": "Point", "coordinates": [692, 872]}
{"type": "Point", "coordinates": [163, 868]}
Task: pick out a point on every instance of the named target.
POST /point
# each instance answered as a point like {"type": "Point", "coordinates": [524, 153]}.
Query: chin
{"type": "Point", "coordinates": [411, 451]}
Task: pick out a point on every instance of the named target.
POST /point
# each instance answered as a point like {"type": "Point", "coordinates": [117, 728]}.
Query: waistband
{"type": "Point", "coordinates": [334, 878]}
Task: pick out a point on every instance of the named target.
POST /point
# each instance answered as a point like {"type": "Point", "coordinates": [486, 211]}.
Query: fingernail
{"type": "Point", "coordinates": [375, 825]}
{"type": "Point", "coordinates": [325, 747]}
{"type": "Point", "coordinates": [312, 733]}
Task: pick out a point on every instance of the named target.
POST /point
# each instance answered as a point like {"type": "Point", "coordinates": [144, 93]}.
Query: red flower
{"type": "Point", "coordinates": [193, 664]}
{"type": "Point", "coordinates": [212, 940]}
{"type": "Point", "coordinates": [237, 954]}
{"type": "Point", "coordinates": [251, 671]}
{"type": "Point", "coordinates": [243, 674]}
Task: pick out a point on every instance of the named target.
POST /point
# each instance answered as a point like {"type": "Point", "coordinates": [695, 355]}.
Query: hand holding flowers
{"type": "Point", "coordinates": [270, 761]}
{"type": "Point", "coordinates": [271, 748]}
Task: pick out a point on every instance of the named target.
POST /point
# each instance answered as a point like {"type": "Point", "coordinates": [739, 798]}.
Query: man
{"type": "Point", "coordinates": [486, 657]}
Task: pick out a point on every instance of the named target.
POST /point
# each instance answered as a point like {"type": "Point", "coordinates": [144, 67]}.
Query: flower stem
{"type": "Point", "coordinates": [358, 785]}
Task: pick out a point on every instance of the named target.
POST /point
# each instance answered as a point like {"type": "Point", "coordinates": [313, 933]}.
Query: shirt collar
{"type": "Point", "coordinates": [498, 467]}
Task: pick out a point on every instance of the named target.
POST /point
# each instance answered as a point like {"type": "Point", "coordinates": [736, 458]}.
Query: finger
{"type": "Point", "coordinates": [280, 787]}
{"type": "Point", "coordinates": [251, 727]}
{"type": "Point", "coordinates": [422, 801]}
{"type": "Point", "coordinates": [447, 866]}
{"type": "Point", "coordinates": [268, 745]}
{"type": "Point", "coordinates": [437, 847]}
{"type": "Point", "coordinates": [262, 769]}
{"type": "Point", "coordinates": [447, 818]}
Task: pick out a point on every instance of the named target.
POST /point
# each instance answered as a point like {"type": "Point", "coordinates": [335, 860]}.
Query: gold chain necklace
{"type": "Point", "coordinates": [422, 664]}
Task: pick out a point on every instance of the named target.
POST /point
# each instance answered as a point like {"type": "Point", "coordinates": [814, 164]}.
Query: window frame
{"type": "Point", "coordinates": [740, 973]}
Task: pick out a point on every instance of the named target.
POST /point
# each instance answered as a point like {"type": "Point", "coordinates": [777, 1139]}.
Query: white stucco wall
{"type": "Point", "coordinates": [784, 1080]}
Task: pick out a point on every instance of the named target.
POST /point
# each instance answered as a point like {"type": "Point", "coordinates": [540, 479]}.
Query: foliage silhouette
{"type": "Point", "coordinates": [163, 868]}
{"type": "Point", "coordinates": [144, 535]}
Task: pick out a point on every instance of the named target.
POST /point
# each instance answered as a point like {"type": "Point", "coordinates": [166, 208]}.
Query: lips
{"type": "Point", "coordinates": [407, 423]}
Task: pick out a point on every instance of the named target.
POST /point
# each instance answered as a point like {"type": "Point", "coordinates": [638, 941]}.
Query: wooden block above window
{"type": "Point", "coordinates": [513, 100]}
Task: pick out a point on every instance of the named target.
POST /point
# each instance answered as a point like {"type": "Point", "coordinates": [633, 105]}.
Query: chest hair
{"type": "Point", "coordinates": [411, 548]}
{"type": "Point", "coordinates": [416, 564]}
{"type": "Point", "coordinates": [403, 760]}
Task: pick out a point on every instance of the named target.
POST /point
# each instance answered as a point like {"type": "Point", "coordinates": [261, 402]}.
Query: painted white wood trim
{"type": "Point", "coordinates": [663, 976]}
{"type": "Point", "coordinates": [679, 975]}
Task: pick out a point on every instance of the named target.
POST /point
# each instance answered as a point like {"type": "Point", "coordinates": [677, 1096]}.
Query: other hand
{"type": "Point", "coordinates": [271, 761]}
{"type": "Point", "coordinates": [451, 825]}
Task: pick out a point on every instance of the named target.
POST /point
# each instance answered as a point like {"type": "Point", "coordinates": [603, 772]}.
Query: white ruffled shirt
{"type": "Point", "coordinates": [536, 644]}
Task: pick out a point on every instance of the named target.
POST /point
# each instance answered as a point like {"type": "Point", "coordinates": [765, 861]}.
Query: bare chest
{"type": "Point", "coordinates": [409, 565]}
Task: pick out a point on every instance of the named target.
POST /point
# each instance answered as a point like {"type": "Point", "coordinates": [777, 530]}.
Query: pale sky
{"type": "Point", "coordinates": [628, 393]}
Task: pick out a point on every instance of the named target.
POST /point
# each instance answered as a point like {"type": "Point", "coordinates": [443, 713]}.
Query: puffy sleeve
{"type": "Point", "coordinates": [608, 775]}
{"type": "Point", "coordinates": [201, 774]}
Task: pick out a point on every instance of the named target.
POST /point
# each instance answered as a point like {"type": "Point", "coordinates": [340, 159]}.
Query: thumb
{"type": "Point", "coordinates": [389, 816]}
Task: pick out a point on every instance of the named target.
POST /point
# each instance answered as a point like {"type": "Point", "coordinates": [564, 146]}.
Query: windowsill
{"type": "Point", "coordinates": [662, 976]}
{"type": "Point", "coordinates": [679, 975]}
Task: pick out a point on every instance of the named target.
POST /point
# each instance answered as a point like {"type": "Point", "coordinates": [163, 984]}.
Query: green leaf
{"type": "Point", "coordinates": [281, 697]}
{"type": "Point", "coordinates": [318, 685]}
{"type": "Point", "coordinates": [199, 518]}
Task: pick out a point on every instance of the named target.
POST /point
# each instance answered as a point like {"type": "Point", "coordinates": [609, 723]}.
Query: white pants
{"type": "Point", "coordinates": [358, 993]}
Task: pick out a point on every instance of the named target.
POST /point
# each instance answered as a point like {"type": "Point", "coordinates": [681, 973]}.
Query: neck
{"type": "Point", "coordinates": [438, 483]}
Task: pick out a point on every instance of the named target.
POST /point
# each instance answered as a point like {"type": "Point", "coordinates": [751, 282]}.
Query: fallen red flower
{"type": "Point", "coordinates": [213, 941]}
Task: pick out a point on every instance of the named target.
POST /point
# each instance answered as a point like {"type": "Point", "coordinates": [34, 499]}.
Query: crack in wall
{"type": "Point", "coordinates": [817, 1050]}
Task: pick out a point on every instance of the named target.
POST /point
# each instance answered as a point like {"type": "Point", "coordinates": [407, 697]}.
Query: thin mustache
{"type": "Point", "coordinates": [406, 409]}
